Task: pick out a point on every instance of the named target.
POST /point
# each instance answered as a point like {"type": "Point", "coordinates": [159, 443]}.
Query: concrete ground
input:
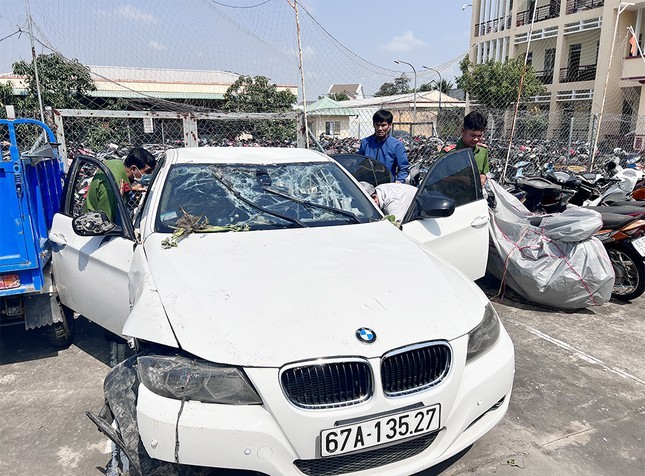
{"type": "Point", "coordinates": [578, 403]}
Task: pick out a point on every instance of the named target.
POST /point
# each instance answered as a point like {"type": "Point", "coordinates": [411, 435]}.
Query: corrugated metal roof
{"type": "Point", "coordinates": [424, 99]}
{"type": "Point", "coordinates": [154, 94]}
{"type": "Point", "coordinates": [154, 75]}
{"type": "Point", "coordinates": [328, 107]}
{"type": "Point", "coordinates": [129, 82]}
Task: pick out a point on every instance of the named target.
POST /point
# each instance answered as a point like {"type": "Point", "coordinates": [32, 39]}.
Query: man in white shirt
{"type": "Point", "coordinates": [392, 198]}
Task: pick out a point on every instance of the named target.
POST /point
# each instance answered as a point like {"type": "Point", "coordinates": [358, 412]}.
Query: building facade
{"type": "Point", "coordinates": [585, 52]}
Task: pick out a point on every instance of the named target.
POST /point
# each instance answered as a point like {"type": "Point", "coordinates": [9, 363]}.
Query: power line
{"type": "Point", "coordinates": [13, 34]}
{"type": "Point", "coordinates": [240, 7]}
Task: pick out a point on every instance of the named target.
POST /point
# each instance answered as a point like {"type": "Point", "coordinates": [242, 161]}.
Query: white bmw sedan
{"type": "Point", "coordinates": [281, 324]}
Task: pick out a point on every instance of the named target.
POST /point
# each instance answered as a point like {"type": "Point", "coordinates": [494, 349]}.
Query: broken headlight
{"type": "Point", "coordinates": [482, 337]}
{"type": "Point", "coordinates": [180, 378]}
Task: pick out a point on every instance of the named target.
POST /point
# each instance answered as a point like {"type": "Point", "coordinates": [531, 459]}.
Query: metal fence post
{"type": "Point", "coordinates": [59, 130]}
{"type": "Point", "coordinates": [190, 131]}
{"type": "Point", "coordinates": [570, 138]}
{"type": "Point", "coordinates": [592, 151]}
{"type": "Point", "coordinates": [301, 131]}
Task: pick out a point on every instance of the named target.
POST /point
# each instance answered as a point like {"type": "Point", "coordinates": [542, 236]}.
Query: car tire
{"type": "Point", "coordinates": [61, 334]}
{"type": "Point", "coordinates": [629, 269]}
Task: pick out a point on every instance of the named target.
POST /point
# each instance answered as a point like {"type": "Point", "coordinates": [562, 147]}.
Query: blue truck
{"type": "Point", "coordinates": [31, 187]}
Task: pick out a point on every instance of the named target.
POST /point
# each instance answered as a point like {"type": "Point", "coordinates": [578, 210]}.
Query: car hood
{"type": "Point", "coordinates": [265, 298]}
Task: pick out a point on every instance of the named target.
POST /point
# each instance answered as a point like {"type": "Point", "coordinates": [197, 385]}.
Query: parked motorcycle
{"type": "Point", "coordinates": [624, 240]}
{"type": "Point", "coordinates": [622, 183]}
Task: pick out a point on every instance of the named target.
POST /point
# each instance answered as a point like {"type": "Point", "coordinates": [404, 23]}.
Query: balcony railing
{"type": "Point", "coordinates": [574, 6]}
{"type": "Point", "coordinates": [498, 24]}
{"type": "Point", "coordinates": [581, 73]}
{"type": "Point", "coordinates": [542, 13]}
{"type": "Point", "coordinates": [545, 77]}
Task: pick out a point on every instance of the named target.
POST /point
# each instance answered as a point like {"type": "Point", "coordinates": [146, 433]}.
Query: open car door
{"type": "Point", "coordinates": [91, 272]}
{"type": "Point", "coordinates": [461, 239]}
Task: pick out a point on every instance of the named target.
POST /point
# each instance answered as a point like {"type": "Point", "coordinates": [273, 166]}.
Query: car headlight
{"type": "Point", "coordinates": [181, 377]}
{"type": "Point", "coordinates": [482, 337]}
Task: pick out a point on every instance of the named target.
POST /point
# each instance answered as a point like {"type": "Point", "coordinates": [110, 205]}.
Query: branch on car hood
{"type": "Point", "coordinates": [188, 224]}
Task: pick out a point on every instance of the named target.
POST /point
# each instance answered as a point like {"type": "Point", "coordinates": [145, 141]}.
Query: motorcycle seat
{"type": "Point", "coordinates": [538, 183]}
{"type": "Point", "coordinates": [628, 203]}
{"type": "Point", "coordinates": [614, 221]}
{"type": "Point", "coordinates": [620, 210]}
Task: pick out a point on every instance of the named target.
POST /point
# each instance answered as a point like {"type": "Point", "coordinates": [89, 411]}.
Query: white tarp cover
{"type": "Point", "coordinates": [558, 263]}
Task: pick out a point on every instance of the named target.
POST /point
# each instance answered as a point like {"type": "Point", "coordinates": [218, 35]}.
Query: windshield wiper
{"type": "Point", "coordinates": [305, 203]}
{"type": "Point", "coordinates": [239, 196]}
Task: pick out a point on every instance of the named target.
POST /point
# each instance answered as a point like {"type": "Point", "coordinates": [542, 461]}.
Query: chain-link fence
{"type": "Point", "coordinates": [562, 138]}
{"type": "Point", "coordinates": [110, 134]}
{"type": "Point", "coordinates": [160, 105]}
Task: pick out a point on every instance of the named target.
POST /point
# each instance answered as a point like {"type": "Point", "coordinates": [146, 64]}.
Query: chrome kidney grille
{"type": "Point", "coordinates": [344, 382]}
{"type": "Point", "coordinates": [415, 368]}
{"type": "Point", "coordinates": [328, 384]}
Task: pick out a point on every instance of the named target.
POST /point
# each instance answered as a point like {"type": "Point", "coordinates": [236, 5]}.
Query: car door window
{"type": "Point", "coordinates": [83, 171]}
{"type": "Point", "coordinates": [453, 176]}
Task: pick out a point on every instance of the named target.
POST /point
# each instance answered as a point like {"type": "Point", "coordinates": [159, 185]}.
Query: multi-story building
{"type": "Point", "coordinates": [587, 62]}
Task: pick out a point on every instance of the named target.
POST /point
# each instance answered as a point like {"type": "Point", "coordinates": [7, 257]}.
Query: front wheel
{"type": "Point", "coordinates": [630, 272]}
{"type": "Point", "coordinates": [61, 334]}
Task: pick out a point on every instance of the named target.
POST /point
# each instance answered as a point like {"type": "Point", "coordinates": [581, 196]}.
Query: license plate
{"type": "Point", "coordinates": [639, 244]}
{"type": "Point", "coordinates": [378, 431]}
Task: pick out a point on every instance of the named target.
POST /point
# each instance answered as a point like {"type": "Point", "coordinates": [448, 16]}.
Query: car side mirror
{"type": "Point", "coordinates": [435, 206]}
{"type": "Point", "coordinates": [93, 224]}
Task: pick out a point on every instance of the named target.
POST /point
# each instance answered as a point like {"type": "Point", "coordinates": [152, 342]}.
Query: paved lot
{"type": "Point", "coordinates": [578, 406]}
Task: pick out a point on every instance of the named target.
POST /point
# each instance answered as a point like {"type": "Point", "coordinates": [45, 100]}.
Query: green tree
{"type": "Point", "coordinates": [257, 94]}
{"type": "Point", "coordinates": [342, 96]}
{"type": "Point", "coordinates": [6, 94]}
{"type": "Point", "coordinates": [6, 97]}
{"type": "Point", "coordinates": [444, 85]}
{"type": "Point", "coordinates": [401, 85]}
{"type": "Point", "coordinates": [63, 83]}
{"type": "Point", "coordinates": [495, 84]}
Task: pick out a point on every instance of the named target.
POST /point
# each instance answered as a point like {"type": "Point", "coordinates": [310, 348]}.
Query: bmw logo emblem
{"type": "Point", "coordinates": [366, 335]}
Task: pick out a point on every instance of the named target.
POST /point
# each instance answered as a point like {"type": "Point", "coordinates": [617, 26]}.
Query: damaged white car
{"type": "Point", "coordinates": [281, 324]}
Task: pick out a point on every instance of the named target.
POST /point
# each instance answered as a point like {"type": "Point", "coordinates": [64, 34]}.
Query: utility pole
{"type": "Point", "coordinates": [294, 5]}
{"type": "Point", "coordinates": [34, 62]}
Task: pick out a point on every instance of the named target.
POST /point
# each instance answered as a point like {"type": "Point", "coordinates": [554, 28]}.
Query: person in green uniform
{"type": "Point", "coordinates": [100, 196]}
{"type": "Point", "coordinates": [472, 134]}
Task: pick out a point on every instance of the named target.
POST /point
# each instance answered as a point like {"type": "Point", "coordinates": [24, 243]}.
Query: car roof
{"type": "Point", "coordinates": [244, 155]}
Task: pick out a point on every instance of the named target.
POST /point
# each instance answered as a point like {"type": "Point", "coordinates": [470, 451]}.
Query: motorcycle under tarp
{"type": "Point", "coordinates": [552, 260]}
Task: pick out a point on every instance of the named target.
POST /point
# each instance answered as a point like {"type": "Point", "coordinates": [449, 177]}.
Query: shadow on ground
{"type": "Point", "coordinates": [19, 345]}
{"type": "Point", "coordinates": [503, 294]}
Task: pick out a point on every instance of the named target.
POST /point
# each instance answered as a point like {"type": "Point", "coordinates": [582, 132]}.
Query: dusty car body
{"type": "Point", "coordinates": [291, 330]}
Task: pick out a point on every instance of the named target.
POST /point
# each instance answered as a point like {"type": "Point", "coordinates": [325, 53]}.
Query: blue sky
{"type": "Point", "coordinates": [421, 32]}
{"type": "Point", "coordinates": [223, 35]}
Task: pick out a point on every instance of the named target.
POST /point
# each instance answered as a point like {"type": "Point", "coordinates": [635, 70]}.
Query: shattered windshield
{"type": "Point", "coordinates": [254, 197]}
